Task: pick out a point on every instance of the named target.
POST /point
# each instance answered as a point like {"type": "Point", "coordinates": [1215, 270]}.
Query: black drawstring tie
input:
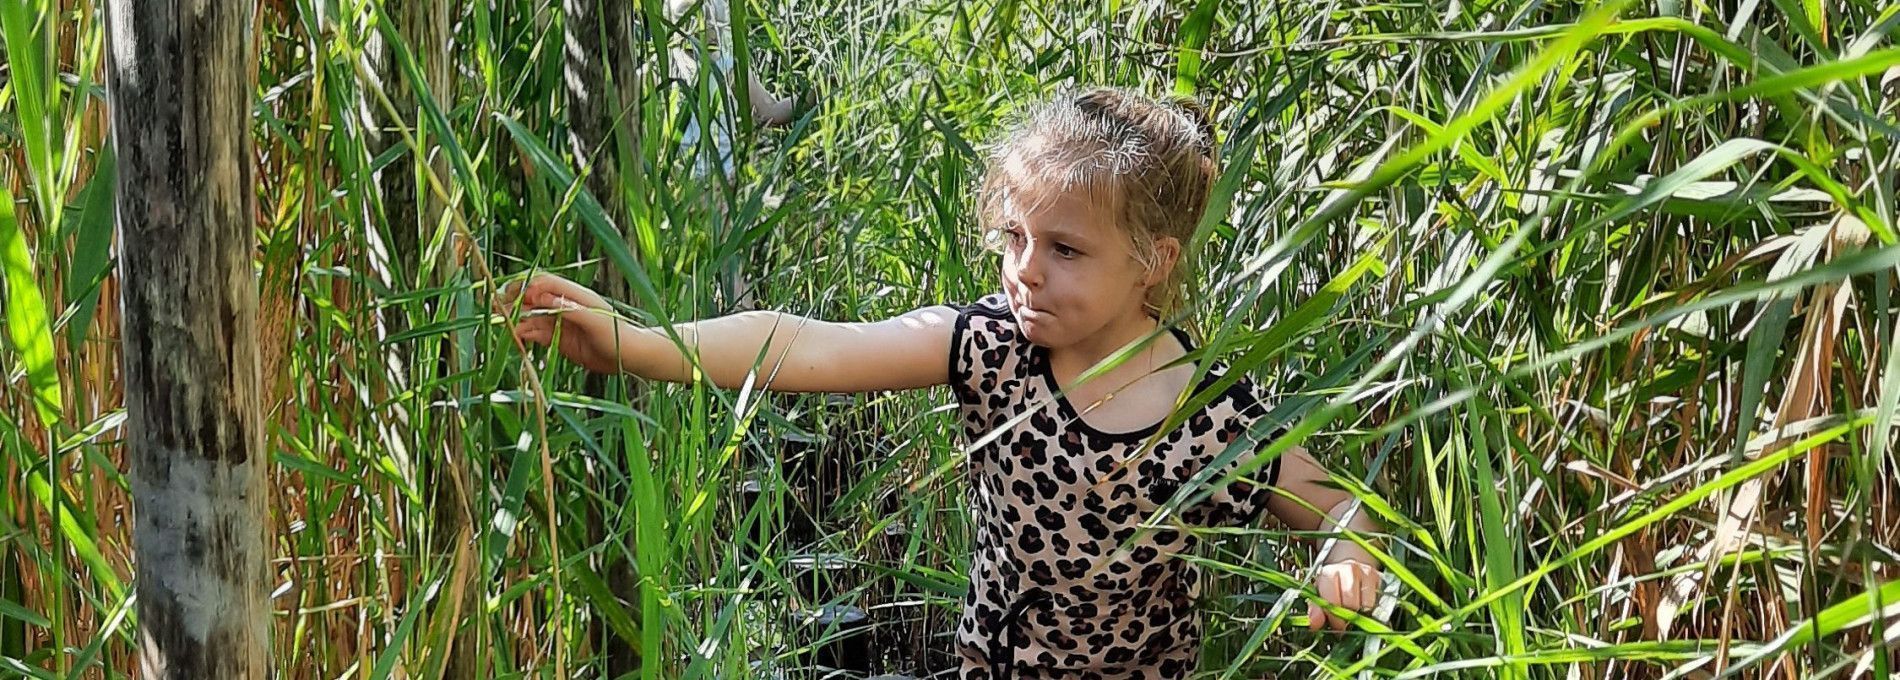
{"type": "Point", "coordinates": [1001, 661]}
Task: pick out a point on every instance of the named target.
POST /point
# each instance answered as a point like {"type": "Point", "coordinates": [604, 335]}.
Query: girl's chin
{"type": "Point", "coordinates": [1036, 331]}
{"type": "Point", "coordinates": [1036, 326]}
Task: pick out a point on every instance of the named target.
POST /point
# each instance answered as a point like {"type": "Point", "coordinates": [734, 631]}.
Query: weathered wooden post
{"type": "Point", "coordinates": [181, 83]}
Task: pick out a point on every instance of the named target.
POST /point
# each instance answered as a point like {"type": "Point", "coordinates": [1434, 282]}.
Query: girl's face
{"type": "Point", "coordinates": [1068, 270]}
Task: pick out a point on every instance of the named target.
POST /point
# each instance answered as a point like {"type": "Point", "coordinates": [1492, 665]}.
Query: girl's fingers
{"type": "Point", "coordinates": [505, 297]}
{"type": "Point", "coordinates": [559, 301]}
{"type": "Point", "coordinates": [1328, 586]}
{"type": "Point", "coordinates": [1315, 616]}
{"type": "Point", "coordinates": [1368, 591]}
{"type": "Point", "coordinates": [560, 287]}
{"type": "Point", "coordinates": [553, 283]}
{"type": "Point", "coordinates": [546, 291]}
{"type": "Point", "coordinates": [525, 295]}
{"type": "Point", "coordinates": [538, 330]}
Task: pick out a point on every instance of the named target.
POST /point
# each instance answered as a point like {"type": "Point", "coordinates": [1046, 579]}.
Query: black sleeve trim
{"type": "Point", "coordinates": [958, 378]}
{"type": "Point", "coordinates": [1273, 470]}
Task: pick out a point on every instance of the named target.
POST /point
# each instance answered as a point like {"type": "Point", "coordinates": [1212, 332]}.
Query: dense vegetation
{"type": "Point", "coordinates": [1597, 298]}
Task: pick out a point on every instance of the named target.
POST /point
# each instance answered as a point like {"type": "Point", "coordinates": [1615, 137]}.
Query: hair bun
{"type": "Point", "coordinates": [1197, 113]}
{"type": "Point", "coordinates": [1101, 101]}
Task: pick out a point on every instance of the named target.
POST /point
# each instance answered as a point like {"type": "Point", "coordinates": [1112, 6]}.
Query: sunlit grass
{"type": "Point", "coordinates": [1592, 304]}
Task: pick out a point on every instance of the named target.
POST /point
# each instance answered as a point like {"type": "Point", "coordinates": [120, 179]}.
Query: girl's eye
{"type": "Point", "coordinates": [1066, 251]}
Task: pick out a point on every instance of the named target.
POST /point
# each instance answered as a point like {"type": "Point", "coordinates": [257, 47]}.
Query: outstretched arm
{"type": "Point", "coordinates": [790, 353]}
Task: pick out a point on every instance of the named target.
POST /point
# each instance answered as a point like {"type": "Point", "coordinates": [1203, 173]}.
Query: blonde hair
{"type": "Point", "coordinates": [1154, 159]}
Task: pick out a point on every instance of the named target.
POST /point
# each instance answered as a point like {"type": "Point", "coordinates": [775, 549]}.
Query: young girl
{"type": "Point", "coordinates": [1089, 199]}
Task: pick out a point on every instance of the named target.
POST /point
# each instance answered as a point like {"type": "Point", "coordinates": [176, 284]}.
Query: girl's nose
{"type": "Point", "coordinates": [1029, 268]}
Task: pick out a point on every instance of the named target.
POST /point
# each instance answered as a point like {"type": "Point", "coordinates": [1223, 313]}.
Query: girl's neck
{"type": "Point", "coordinates": [1073, 359]}
{"type": "Point", "coordinates": [1151, 391]}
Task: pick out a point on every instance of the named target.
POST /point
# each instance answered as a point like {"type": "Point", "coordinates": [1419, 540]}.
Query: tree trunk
{"type": "Point", "coordinates": [412, 209]}
{"type": "Point", "coordinates": [414, 213]}
{"type": "Point", "coordinates": [601, 91]}
{"type": "Point", "coordinates": [181, 83]}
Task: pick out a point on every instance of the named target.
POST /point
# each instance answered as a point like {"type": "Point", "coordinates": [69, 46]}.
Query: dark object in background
{"type": "Point", "coordinates": [819, 455]}
{"type": "Point", "coordinates": [821, 577]}
{"type": "Point", "coordinates": [823, 466]}
{"type": "Point", "coordinates": [839, 636]}
{"type": "Point", "coordinates": [779, 513]}
{"type": "Point", "coordinates": [801, 457]}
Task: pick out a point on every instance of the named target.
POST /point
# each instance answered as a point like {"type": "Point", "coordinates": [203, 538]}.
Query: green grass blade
{"type": "Point", "coordinates": [14, 610]}
{"type": "Point", "coordinates": [31, 27]}
{"type": "Point", "coordinates": [1194, 33]}
{"type": "Point", "coordinates": [92, 249]}
{"type": "Point", "coordinates": [1497, 545]}
{"type": "Point", "coordinates": [28, 327]}
{"type": "Point", "coordinates": [1728, 480]}
{"type": "Point", "coordinates": [1856, 610]}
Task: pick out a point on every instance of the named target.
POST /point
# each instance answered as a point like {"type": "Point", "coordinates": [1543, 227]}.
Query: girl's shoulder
{"type": "Point", "coordinates": [987, 347]}
{"type": "Point", "coordinates": [1248, 398]}
{"type": "Point", "coordinates": [1240, 416]}
{"type": "Point", "coordinates": [1242, 399]}
{"type": "Point", "coordinates": [986, 323]}
{"type": "Point", "coordinates": [994, 306]}
{"type": "Point", "coordinates": [1240, 408]}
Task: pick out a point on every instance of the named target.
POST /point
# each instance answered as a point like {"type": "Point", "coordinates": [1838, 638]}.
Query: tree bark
{"type": "Point", "coordinates": [413, 211]}
{"type": "Point", "coordinates": [181, 81]}
{"type": "Point", "coordinates": [599, 49]}
{"type": "Point", "coordinates": [413, 214]}
{"type": "Point", "coordinates": [601, 90]}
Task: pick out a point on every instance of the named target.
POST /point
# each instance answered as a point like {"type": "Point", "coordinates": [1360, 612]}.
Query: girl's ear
{"type": "Point", "coordinates": [1167, 254]}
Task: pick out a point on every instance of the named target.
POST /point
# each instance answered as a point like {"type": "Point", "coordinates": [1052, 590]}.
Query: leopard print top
{"type": "Point", "coordinates": [1050, 595]}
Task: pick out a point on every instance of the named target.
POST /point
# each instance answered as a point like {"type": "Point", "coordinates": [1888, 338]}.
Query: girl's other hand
{"type": "Point", "coordinates": [1351, 585]}
{"type": "Point", "coordinates": [554, 306]}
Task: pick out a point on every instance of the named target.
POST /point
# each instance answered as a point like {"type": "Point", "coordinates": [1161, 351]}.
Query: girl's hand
{"type": "Point", "coordinates": [1350, 584]}
{"type": "Point", "coordinates": [589, 333]}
